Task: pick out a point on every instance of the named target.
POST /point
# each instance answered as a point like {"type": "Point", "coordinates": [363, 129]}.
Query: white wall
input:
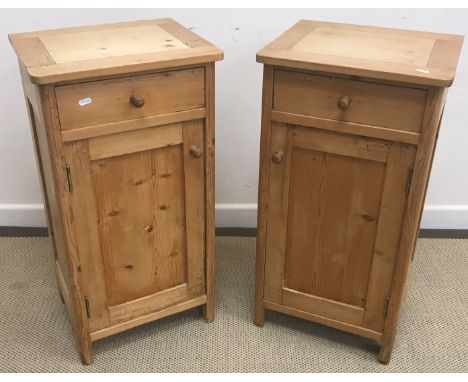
{"type": "Point", "coordinates": [240, 33]}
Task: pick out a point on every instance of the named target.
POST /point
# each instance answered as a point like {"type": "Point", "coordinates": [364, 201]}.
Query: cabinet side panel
{"type": "Point", "coordinates": [265, 137]}
{"type": "Point", "coordinates": [210, 256]}
{"type": "Point", "coordinates": [63, 221]}
{"type": "Point", "coordinates": [45, 169]}
{"type": "Point", "coordinates": [45, 133]}
{"type": "Point", "coordinates": [433, 111]}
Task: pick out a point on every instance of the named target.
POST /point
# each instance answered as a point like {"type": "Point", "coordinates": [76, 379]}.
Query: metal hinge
{"type": "Point", "coordinates": [409, 179]}
{"type": "Point", "coordinates": [386, 304]}
{"type": "Point", "coordinates": [88, 311]}
{"type": "Point", "coordinates": [69, 178]}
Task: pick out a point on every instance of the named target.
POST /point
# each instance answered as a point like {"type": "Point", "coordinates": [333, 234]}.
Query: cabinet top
{"type": "Point", "coordinates": [390, 54]}
{"type": "Point", "coordinates": [70, 54]}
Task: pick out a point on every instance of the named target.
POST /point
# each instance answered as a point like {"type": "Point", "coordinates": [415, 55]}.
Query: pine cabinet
{"type": "Point", "coordinates": [350, 121]}
{"type": "Point", "coordinates": [122, 118]}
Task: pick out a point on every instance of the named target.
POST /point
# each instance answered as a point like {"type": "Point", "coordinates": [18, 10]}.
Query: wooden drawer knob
{"type": "Point", "coordinates": [195, 151]}
{"type": "Point", "coordinates": [277, 157]}
{"type": "Point", "coordinates": [343, 102]}
{"type": "Point", "coordinates": [136, 100]}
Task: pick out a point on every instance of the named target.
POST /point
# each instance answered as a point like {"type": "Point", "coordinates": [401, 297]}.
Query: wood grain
{"type": "Point", "coordinates": [131, 125]}
{"type": "Point", "coordinates": [341, 144]}
{"type": "Point", "coordinates": [134, 141]}
{"type": "Point", "coordinates": [128, 175]}
{"type": "Point", "coordinates": [139, 196]}
{"type": "Point", "coordinates": [364, 105]}
{"type": "Point", "coordinates": [366, 51]}
{"type": "Point", "coordinates": [262, 211]}
{"type": "Point", "coordinates": [85, 225]}
{"type": "Point", "coordinates": [166, 92]}
{"type": "Point", "coordinates": [208, 310]}
{"type": "Point", "coordinates": [147, 304]}
{"type": "Point", "coordinates": [381, 105]}
{"type": "Point", "coordinates": [194, 200]}
{"type": "Point", "coordinates": [325, 321]}
{"type": "Point", "coordinates": [89, 52]}
{"type": "Point", "coordinates": [278, 198]}
{"type": "Point", "coordinates": [345, 127]}
{"type": "Point", "coordinates": [412, 217]}
{"type": "Point", "coordinates": [118, 328]}
{"type": "Point", "coordinates": [332, 222]}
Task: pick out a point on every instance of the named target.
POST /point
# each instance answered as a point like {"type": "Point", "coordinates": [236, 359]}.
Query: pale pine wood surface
{"type": "Point", "coordinates": [103, 50]}
{"type": "Point", "coordinates": [128, 173]}
{"type": "Point", "coordinates": [163, 93]}
{"type": "Point", "coordinates": [348, 133]}
{"type": "Point", "coordinates": [373, 104]}
{"type": "Point", "coordinates": [134, 141]}
{"type": "Point", "coordinates": [412, 218]}
{"type": "Point", "coordinates": [335, 205]}
{"type": "Point", "coordinates": [383, 53]}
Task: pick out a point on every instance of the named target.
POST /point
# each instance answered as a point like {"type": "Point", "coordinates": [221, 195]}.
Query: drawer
{"type": "Point", "coordinates": [108, 101]}
{"type": "Point", "coordinates": [367, 103]}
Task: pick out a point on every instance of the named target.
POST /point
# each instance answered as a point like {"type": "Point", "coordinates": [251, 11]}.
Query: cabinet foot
{"type": "Point", "coordinates": [259, 317]}
{"type": "Point", "coordinates": [208, 312]}
{"type": "Point", "coordinates": [86, 354]}
{"type": "Point", "coordinates": [385, 353]}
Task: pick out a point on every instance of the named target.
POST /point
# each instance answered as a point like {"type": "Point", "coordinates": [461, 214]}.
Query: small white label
{"type": "Point", "coordinates": [422, 70]}
{"type": "Point", "coordinates": [84, 101]}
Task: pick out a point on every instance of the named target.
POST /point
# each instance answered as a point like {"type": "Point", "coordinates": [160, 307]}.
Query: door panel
{"type": "Point", "coordinates": [141, 224]}
{"type": "Point", "coordinates": [143, 199]}
{"type": "Point", "coordinates": [335, 204]}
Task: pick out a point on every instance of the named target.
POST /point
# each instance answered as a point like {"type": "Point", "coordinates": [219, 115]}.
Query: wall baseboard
{"type": "Point", "coordinates": [235, 231]}
{"type": "Point", "coordinates": [236, 215]}
{"type": "Point", "coordinates": [22, 215]}
{"type": "Point", "coordinates": [243, 215]}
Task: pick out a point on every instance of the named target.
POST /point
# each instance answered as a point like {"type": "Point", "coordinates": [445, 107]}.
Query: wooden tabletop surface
{"type": "Point", "coordinates": [101, 50]}
{"type": "Point", "coordinates": [389, 54]}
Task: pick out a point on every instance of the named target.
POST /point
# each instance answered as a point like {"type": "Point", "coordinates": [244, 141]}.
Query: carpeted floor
{"type": "Point", "coordinates": [35, 334]}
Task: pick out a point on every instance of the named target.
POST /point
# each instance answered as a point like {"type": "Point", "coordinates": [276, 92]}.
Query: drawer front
{"type": "Point", "coordinates": [367, 103]}
{"type": "Point", "coordinates": [108, 101]}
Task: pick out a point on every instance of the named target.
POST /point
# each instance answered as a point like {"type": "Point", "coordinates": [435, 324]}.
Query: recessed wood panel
{"type": "Point", "coordinates": [89, 45]}
{"type": "Point", "coordinates": [140, 202]}
{"type": "Point", "coordinates": [332, 41]}
{"type": "Point", "coordinates": [333, 212]}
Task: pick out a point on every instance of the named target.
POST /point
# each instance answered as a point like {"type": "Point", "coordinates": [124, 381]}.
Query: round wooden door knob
{"type": "Point", "coordinates": [195, 151]}
{"type": "Point", "coordinates": [277, 157]}
{"type": "Point", "coordinates": [136, 100]}
{"type": "Point", "coordinates": [343, 102]}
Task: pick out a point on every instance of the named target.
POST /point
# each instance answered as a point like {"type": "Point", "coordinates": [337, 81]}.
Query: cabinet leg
{"type": "Point", "coordinates": [386, 344]}
{"type": "Point", "coordinates": [259, 315]}
{"type": "Point", "coordinates": [385, 352]}
{"type": "Point", "coordinates": [86, 352]}
{"type": "Point", "coordinates": [208, 311]}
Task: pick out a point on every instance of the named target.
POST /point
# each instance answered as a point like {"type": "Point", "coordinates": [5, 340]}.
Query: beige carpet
{"type": "Point", "coordinates": [35, 334]}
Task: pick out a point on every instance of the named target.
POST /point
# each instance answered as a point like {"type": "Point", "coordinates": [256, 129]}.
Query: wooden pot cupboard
{"type": "Point", "coordinates": [350, 121]}
{"type": "Point", "coordinates": [122, 118]}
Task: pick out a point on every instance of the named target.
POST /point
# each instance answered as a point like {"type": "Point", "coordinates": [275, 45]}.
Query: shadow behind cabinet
{"type": "Point", "coordinates": [350, 122]}
{"type": "Point", "coordinates": [122, 117]}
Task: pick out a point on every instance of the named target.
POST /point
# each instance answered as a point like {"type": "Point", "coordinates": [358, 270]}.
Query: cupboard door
{"type": "Point", "coordinates": [137, 200]}
{"type": "Point", "coordinates": [335, 207]}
